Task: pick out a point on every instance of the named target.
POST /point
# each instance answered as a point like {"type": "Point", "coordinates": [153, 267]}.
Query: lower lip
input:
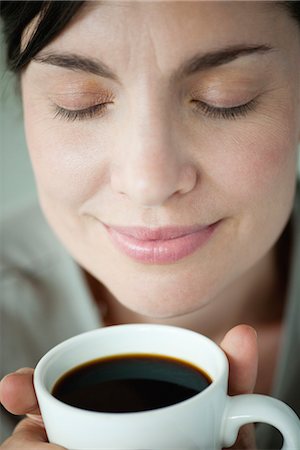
{"type": "Point", "coordinates": [161, 251]}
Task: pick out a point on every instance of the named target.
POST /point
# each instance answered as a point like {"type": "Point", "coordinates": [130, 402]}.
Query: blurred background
{"type": "Point", "coordinates": [16, 178]}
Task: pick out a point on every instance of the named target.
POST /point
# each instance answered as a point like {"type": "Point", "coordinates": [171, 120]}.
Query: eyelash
{"type": "Point", "coordinates": [80, 114]}
{"type": "Point", "coordinates": [231, 113]}
{"type": "Point", "coordinates": [210, 111]}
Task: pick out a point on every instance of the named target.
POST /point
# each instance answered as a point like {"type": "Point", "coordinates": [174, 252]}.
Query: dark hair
{"type": "Point", "coordinates": [53, 17]}
{"type": "Point", "coordinates": [293, 8]}
{"type": "Point", "coordinates": [17, 15]}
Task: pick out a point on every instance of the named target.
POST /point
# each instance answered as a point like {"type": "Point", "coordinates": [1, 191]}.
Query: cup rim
{"type": "Point", "coordinates": [44, 362]}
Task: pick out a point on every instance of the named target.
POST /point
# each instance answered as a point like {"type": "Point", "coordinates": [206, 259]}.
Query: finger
{"type": "Point", "coordinates": [17, 393]}
{"type": "Point", "coordinates": [240, 346]}
{"type": "Point", "coordinates": [31, 436]}
{"type": "Point", "coordinates": [246, 439]}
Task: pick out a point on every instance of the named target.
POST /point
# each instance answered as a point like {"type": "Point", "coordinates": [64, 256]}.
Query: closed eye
{"type": "Point", "coordinates": [210, 111]}
{"type": "Point", "coordinates": [80, 114]}
{"type": "Point", "coordinates": [232, 113]}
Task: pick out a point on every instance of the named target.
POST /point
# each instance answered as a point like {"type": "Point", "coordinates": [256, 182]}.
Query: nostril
{"type": "Point", "coordinates": [189, 179]}
{"type": "Point", "coordinates": [151, 185]}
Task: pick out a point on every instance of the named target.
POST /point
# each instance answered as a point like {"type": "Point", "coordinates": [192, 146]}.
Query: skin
{"type": "Point", "coordinates": [152, 160]}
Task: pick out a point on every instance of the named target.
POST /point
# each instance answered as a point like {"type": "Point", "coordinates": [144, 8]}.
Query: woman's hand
{"type": "Point", "coordinates": [18, 397]}
{"type": "Point", "coordinates": [240, 346]}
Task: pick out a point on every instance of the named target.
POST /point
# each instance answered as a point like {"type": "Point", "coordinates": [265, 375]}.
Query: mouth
{"type": "Point", "coordinates": [160, 245]}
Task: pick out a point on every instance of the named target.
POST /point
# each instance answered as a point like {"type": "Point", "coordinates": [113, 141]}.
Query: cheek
{"type": "Point", "coordinates": [69, 166]}
{"type": "Point", "coordinates": [257, 164]}
{"type": "Point", "coordinates": [256, 179]}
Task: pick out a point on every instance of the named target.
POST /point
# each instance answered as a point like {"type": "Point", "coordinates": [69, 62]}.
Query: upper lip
{"type": "Point", "coordinates": [157, 234]}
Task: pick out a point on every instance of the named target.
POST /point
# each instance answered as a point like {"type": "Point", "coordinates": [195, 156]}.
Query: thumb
{"type": "Point", "coordinates": [240, 346]}
{"type": "Point", "coordinates": [17, 393]}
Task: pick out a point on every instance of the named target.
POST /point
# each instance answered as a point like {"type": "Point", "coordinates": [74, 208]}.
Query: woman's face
{"type": "Point", "coordinates": [163, 149]}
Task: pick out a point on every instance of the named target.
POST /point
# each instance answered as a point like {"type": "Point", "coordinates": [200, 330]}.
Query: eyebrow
{"type": "Point", "coordinates": [72, 61]}
{"type": "Point", "coordinates": [197, 63]}
{"type": "Point", "coordinates": [201, 62]}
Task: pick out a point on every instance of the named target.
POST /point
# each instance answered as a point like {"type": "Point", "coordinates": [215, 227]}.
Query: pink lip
{"type": "Point", "coordinates": [160, 245]}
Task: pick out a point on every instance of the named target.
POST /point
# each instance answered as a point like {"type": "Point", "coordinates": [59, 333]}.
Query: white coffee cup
{"type": "Point", "coordinates": [209, 420]}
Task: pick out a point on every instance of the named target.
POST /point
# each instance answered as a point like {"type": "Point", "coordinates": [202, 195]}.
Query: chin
{"type": "Point", "coordinates": [162, 305]}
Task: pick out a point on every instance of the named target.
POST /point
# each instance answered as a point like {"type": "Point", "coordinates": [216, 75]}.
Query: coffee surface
{"type": "Point", "coordinates": [130, 383]}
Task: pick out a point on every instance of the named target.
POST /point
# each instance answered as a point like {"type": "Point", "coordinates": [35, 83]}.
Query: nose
{"type": "Point", "coordinates": [153, 169]}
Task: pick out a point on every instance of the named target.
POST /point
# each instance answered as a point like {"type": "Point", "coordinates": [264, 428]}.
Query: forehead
{"type": "Point", "coordinates": [109, 24]}
{"type": "Point", "coordinates": [157, 36]}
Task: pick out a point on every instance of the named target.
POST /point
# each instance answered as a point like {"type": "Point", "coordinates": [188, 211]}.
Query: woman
{"type": "Point", "coordinates": [163, 137]}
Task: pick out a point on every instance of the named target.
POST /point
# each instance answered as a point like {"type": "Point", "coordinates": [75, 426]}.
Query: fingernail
{"type": "Point", "coordinates": [23, 370]}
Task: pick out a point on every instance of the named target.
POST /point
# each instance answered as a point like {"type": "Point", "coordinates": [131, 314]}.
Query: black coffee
{"type": "Point", "coordinates": [130, 383]}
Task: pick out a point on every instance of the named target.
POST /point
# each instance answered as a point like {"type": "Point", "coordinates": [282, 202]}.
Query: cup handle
{"type": "Point", "coordinates": [243, 409]}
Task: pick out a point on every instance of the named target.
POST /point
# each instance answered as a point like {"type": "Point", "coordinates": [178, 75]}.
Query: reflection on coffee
{"type": "Point", "coordinates": [130, 383]}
